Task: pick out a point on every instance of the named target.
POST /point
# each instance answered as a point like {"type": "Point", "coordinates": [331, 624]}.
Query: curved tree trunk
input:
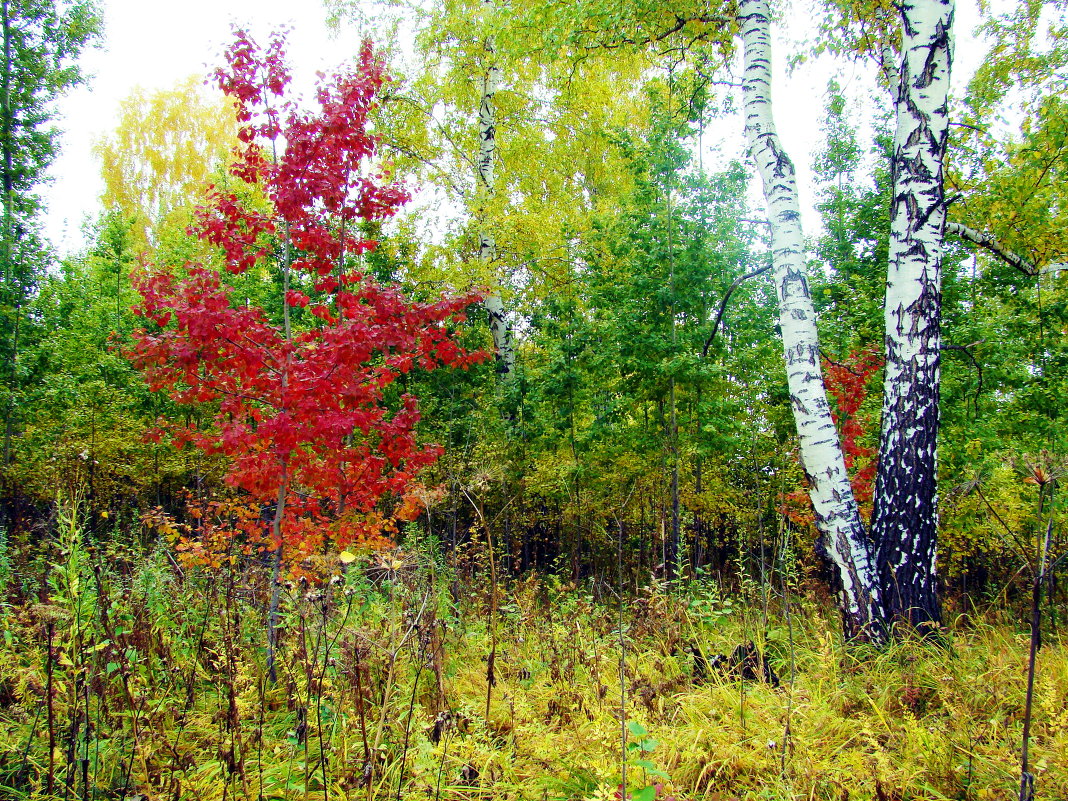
{"type": "Point", "coordinates": [905, 516]}
{"type": "Point", "coordinates": [500, 327]}
{"type": "Point", "coordinates": [837, 516]}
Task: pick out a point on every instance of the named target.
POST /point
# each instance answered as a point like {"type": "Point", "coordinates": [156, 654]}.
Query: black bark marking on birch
{"type": "Point", "coordinates": [940, 43]}
{"type": "Point", "coordinates": [931, 62]}
{"type": "Point", "coordinates": [928, 306]}
{"type": "Point", "coordinates": [914, 138]}
{"type": "Point", "coordinates": [791, 279]}
{"type": "Point", "coordinates": [917, 250]}
{"type": "Point", "coordinates": [909, 200]}
{"type": "Point", "coordinates": [906, 27]}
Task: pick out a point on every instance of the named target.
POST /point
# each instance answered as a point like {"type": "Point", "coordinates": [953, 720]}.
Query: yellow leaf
{"type": "Point", "coordinates": [346, 557]}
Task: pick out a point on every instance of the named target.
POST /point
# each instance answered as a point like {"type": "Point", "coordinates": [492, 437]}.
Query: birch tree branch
{"type": "Point", "coordinates": [989, 243]}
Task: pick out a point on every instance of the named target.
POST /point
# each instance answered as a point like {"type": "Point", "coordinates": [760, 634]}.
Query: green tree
{"type": "Point", "coordinates": [619, 393]}
{"type": "Point", "coordinates": [856, 222]}
{"type": "Point", "coordinates": [41, 42]}
{"type": "Point", "coordinates": [86, 410]}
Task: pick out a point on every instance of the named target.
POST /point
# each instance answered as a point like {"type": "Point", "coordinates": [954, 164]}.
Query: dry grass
{"type": "Point", "coordinates": [158, 691]}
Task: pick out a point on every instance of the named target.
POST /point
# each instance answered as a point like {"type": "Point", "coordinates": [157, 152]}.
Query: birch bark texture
{"type": "Point", "coordinates": [837, 516]}
{"type": "Point", "coordinates": [905, 514]}
{"type": "Point", "coordinates": [500, 328]}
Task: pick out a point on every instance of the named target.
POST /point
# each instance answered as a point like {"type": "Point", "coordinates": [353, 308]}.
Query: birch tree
{"type": "Point", "coordinates": [500, 326]}
{"type": "Point", "coordinates": [159, 159]}
{"type": "Point", "coordinates": [905, 514]}
{"type": "Point", "coordinates": [837, 516]}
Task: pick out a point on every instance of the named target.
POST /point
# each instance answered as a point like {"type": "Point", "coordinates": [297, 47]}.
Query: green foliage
{"type": "Point", "coordinates": [856, 218]}
{"type": "Point", "coordinates": [640, 750]}
{"type": "Point", "coordinates": [618, 390]}
{"type": "Point", "coordinates": [41, 42]}
{"type": "Point", "coordinates": [1009, 166]}
{"type": "Point", "coordinates": [1029, 52]}
{"type": "Point", "coordinates": [86, 410]}
{"type": "Point", "coordinates": [1002, 374]}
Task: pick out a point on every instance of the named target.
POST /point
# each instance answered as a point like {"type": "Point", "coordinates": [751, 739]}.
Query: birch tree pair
{"type": "Point", "coordinates": [886, 576]}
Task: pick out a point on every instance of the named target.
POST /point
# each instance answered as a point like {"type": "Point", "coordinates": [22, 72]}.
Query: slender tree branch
{"type": "Point", "coordinates": [978, 368]}
{"type": "Point", "coordinates": [969, 127]}
{"type": "Point", "coordinates": [654, 38]}
{"type": "Point", "coordinates": [846, 367]}
{"type": "Point", "coordinates": [723, 304]}
{"type": "Point", "coordinates": [1024, 265]}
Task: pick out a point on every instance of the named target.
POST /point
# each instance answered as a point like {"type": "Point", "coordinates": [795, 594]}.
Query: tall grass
{"type": "Point", "coordinates": [124, 675]}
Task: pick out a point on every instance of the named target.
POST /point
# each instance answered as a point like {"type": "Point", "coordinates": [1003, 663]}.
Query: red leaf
{"type": "Point", "coordinates": [296, 298]}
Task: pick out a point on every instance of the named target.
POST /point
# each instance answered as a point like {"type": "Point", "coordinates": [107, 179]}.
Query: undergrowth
{"type": "Point", "coordinates": [126, 675]}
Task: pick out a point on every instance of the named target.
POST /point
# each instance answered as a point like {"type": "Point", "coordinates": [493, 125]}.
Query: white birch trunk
{"type": "Point", "coordinates": [837, 516]}
{"type": "Point", "coordinates": [905, 516]}
{"type": "Point", "coordinates": [500, 327]}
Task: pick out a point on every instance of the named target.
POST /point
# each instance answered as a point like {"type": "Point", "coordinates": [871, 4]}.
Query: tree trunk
{"type": "Point", "coordinates": [837, 516]}
{"type": "Point", "coordinates": [905, 516]}
{"type": "Point", "coordinates": [10, 291]}
{"type": "Point", "coordinates": [500, 327]}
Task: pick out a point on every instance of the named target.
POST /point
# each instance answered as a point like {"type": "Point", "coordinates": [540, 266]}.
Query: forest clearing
{"type": "Point", "coordinates": [507, 416]}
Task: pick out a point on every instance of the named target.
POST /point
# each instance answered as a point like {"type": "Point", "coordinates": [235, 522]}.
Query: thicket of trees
{"type": "Point", "coordinates": [639, 310]}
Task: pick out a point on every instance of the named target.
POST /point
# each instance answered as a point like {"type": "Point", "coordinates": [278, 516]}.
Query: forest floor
{"type": "Point", "coordinates": [125, 675]}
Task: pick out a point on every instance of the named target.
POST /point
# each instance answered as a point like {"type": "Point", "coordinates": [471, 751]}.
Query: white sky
{"type": "Point", "coordinates": [156, 43]}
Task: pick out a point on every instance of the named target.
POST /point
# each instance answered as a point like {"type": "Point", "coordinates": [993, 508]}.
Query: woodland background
{"type": "Point", "coordinates": [512, 622]}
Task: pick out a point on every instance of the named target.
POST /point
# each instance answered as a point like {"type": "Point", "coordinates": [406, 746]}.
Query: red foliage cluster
{"type": "Point", "coordinates": [304, 417]}
{"type": "Point", "coordinates": [847, 383]}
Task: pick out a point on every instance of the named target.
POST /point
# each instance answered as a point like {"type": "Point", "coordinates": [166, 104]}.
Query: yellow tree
{"type": "Point", "coordinates": [520, 149]}
{"type": "Point", "coordinates": [161, 156]}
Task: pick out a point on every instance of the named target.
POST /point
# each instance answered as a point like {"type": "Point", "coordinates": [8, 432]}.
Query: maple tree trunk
{"type": "Point", "coordinates": [837, 516]}
{"type": "Point", "coordinates": [283, 487]}
{"type": "Point", "coordinates": [905, 514]}
{"type": "Point", "coordinates": [276, 584]}
{"type": "Point", "coordinates": [500, 327]}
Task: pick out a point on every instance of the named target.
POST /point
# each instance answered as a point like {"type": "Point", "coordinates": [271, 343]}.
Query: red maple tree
{"type": "Point", "coordinates": [303, 412]}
